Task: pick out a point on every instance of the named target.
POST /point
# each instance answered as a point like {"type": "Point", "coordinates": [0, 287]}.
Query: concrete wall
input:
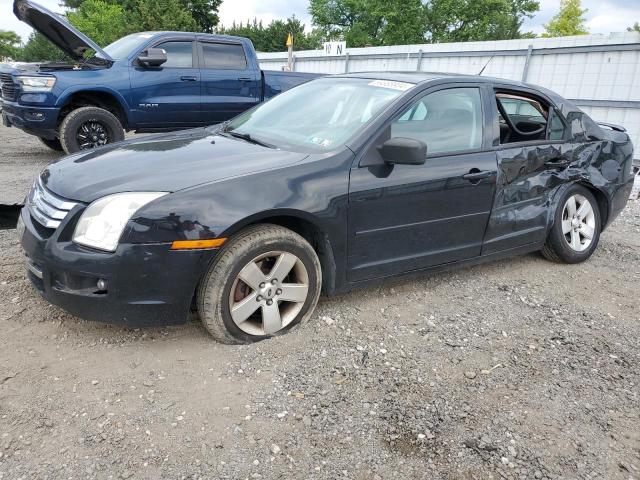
{"type": "Point", "coordinates": [600, 73]}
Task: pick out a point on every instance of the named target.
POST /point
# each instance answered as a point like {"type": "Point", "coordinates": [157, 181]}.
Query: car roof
{"type": "Point", "coordinates": [422, 77]}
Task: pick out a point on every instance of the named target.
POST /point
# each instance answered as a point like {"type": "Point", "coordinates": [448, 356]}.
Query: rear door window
{"type": "Point", "coordinates": [534, 119]}
{"type": "Point", "coordinates": [224, 56]}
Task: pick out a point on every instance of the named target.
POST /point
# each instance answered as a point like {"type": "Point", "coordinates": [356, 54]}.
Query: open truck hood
{"type": "Point", "coordinates": [60, 32]}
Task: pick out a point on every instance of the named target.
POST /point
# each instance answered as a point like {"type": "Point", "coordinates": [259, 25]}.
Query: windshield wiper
{"type": "Point", "coordinates": [246, 137]}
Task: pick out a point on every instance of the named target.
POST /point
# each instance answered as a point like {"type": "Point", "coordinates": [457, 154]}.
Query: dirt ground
{"type": "Point", "coordinates": [518, 369]}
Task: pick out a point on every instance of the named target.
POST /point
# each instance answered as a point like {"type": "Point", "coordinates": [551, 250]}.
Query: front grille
{"type": "Point", "coordinates": [8, 87]}
{"type": "Point", "coordinates": [48, 209]}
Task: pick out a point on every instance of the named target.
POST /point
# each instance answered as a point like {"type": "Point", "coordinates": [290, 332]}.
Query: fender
{"type": "Point", "coordinates": [69, 92]}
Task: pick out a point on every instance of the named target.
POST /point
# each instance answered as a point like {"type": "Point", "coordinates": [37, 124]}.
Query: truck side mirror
{"type": "Point", "coordinates": [153, 57]}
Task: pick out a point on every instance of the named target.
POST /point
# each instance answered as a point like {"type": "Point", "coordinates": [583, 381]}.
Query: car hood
{"type": "Point", "coordinates": [160, 163]}
{"type": "Point", "coordinates": [57, 30]}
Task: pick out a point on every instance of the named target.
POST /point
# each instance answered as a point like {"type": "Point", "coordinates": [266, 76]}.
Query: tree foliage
{"type": "Point", "coordinates": [634, 28]}
{"type": "Point", "coordinates": [9, 42]}
{"type": "Point", "coordinates": [193, 15]}
{"type": "Point", "coordinates": [568, 21]}
{"type": "Point", "coordinates": [477, 20]}
{"type": "Point", "coordinates": [369, 22]}
{"type": "Point", "coordinates": [101, 21]}
{"type": "Point", "coordinates": [273, 37]}
{"type": "Point", "coordinates": [38, 49]}
{"type": "Point", "coordinates": [393, 22]}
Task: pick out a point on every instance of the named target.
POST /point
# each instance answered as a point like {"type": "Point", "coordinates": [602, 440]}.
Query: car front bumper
{"type": "Point", "coordinates": [39, 121]}
{"type": "Point", "coordinates": [147, 284]}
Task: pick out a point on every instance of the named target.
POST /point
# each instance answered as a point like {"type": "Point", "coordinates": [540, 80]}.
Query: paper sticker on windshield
{"type": "Point", "coordinates": [323, 142]}
{"type": "Point", "coordinates": [401, 86]}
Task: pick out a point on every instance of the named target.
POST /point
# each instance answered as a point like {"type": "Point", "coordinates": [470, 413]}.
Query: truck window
{"type": "Point", "coordinates": [179, 54]}
{"type": "Point", "coordinates": [224, 56]}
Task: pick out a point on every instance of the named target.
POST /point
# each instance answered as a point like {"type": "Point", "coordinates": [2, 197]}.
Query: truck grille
{"type": "Point", "coordinates": [48, 209]}
{"type": "Point", "coordinates": [8, 87]}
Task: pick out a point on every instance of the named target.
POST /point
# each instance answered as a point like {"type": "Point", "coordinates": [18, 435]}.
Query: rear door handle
{"type": "Point", "coordinates": [245, 79]}
{"type": "Point", "coordinates": [475, 175]}
{"type": "Point", "coordinates": [188, 78]}
{"type": "Point", "coordinates": [557, 163]}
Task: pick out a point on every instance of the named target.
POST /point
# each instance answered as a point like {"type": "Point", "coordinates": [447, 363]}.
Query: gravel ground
{"type": "Point", "coordinates": [519, 369]}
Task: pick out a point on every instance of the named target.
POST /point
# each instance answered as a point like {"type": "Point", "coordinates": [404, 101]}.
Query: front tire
{"type": "Point", "coordinates": [576, 227]}
{"type": "Point", "coordinates": [265, 280]}
{"type": "Point", "coordinates": [52, 144]}
{"type": "Point", "coordinates": [87, 128]}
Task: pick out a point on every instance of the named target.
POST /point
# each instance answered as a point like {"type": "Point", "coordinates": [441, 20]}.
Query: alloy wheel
{"type": "Point", "coordinates": [578, 222]}
{"type": "Point", "coordinates": [92, 134]}
{"type": "Point", "coordinates": [268, 293]}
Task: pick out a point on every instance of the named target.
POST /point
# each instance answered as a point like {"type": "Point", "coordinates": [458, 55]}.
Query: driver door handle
{"type": "Point", "coordinates": [475, 175]}
{"type": "Point", "coordinates": [188, 78]}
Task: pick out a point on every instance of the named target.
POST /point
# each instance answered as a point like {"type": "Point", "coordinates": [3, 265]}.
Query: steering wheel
{"type": "Point", "coordinates": [513, 127]}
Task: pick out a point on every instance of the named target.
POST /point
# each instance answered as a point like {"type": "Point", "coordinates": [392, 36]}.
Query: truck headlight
{"type": "Point", "coordinates": [36, 84]}
{"type": "Point", "coordinates": [102, 223]}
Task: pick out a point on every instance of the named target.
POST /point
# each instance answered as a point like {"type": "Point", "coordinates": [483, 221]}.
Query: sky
{"type": "Point", "coordinates": [604, 16]}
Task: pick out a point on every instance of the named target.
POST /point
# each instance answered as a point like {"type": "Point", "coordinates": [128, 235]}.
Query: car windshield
{"type": "Point", "coordinates": [319, 115]}
{"type": "Point", "coordinates": [120, 49]}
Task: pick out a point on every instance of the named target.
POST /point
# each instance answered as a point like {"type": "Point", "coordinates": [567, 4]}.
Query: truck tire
{"type": "Point", "coordinates": [265, 280]}
{"type": "Point", "coordinates": [89, 127]}
{"type": "Point", "coordinates": [52, 144]}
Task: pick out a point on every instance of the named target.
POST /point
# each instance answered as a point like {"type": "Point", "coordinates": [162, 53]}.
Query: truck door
{"type": "Point", "coordinates": [229, 84]}
{"type": "Point", "coordinates": [167, 96]}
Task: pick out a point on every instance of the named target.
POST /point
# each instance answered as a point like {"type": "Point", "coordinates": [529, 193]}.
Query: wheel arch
{"type": "Point", "coordinates": [100, 97]}
{"type": "Point", "coordinates": [305, 225]}
{"type": "Point", "coordinates": [600, 196]}
{"type": "Point", "coordinates": [603, 202]}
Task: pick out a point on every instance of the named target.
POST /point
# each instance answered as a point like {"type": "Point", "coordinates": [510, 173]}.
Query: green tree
{"type": "Point", "coordinates": [273, 37]}
{"type": "Point", "coordinates": [635, 28]}
{"type": "Point", "coordinates": [101, 21]}
{"type": "Point", "coordinates": [9, 44]}
{"type": "Point", "coordinates": [162, 15]}
{"type": "Point", "coordinates": [152, 12]}
{"type": "Point", "coordinates": [204, 12]}
{"type": "Point", "coordinates": [369, 22]}
{"type": "Point", "coordinates": [476, 20]}
{"type": "Point", "coordinates": [568, 21]}
{"type": "Point", "coordinates": [39, 49]}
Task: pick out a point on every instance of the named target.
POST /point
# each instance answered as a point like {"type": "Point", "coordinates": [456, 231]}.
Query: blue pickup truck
{"type": "Point", "coordinates": [150, 81]}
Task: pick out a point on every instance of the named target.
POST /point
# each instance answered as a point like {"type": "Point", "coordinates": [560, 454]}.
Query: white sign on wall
{"type": "Point", "coordinates": [335, 48]}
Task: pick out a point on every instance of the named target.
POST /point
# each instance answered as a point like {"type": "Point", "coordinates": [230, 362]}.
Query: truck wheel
{"type": "Point", "coordinates": [52, 144]}
{"type": "Point", "coordinates": [265, 280]}
{"type": "Point", "coordinates": [89, 127]}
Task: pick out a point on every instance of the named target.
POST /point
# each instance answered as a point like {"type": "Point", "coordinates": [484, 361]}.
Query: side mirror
{"type": "Point", "coordinates": [153, 57]}
{"type": "Point", "coordinates": [403, 151]}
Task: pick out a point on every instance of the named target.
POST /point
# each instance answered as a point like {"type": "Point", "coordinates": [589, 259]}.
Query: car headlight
{"type": "Point", "coordinates": [102, 223]}
{"type": "Point", "coordinates": [36, 84]}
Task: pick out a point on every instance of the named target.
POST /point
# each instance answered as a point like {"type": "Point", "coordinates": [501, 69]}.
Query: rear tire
{"type": "Point", "coordinates": [576, 227]}
{"type": "Point", "coordinates": [280, 293]}
{"type": "Point", "coordinates": [52, 144]}
{"type": "Point", "coordinates": [87, 128]}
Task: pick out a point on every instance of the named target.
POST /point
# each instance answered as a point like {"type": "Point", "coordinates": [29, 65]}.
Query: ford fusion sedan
{"type": "Point", "coordinates": [334, 184]}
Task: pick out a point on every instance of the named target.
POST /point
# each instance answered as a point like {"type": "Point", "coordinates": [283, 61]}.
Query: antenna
{"type": "Point", "coordinates": [486, 64]}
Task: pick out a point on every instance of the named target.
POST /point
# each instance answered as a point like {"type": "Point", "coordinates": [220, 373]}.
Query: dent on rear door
{"type": "Point", "coordinates": [524, 188]}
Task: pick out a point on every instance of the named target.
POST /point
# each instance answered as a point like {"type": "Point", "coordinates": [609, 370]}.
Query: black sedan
{"type": "Point", "coordinates": [334, 184]}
